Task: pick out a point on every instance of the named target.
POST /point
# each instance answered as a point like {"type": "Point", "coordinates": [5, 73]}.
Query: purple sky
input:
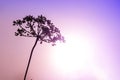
{"type": "Point", "coordinates": [96, 20]}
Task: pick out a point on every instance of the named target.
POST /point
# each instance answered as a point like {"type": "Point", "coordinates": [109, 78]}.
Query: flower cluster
{"type": "Point", "coordinates": [39, 27]}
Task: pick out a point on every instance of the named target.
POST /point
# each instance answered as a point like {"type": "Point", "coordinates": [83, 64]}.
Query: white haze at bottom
{"type": "Point", "coordinates": [76, 59]}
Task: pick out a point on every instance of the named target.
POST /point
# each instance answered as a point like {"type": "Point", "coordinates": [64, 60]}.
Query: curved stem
{"type": "Point", "coordinates": [30, 58]}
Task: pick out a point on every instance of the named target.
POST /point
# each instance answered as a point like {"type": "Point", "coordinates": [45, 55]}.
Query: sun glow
{"type": "Point", "coordinates": [75, 54]}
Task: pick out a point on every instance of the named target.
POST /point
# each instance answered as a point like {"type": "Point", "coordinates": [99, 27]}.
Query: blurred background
{"type": "Point", "coordinates": [96, 22]}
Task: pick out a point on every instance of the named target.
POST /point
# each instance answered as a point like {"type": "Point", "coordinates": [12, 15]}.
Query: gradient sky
{"type": "Point", "coordinates": [96, 20]}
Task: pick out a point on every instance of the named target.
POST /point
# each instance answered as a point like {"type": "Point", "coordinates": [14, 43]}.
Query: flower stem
{"type": "Point", "coordinates": [30, 58]}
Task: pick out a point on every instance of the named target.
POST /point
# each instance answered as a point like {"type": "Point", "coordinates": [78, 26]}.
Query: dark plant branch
{"type": "Point", "coordinates": [41, 28]}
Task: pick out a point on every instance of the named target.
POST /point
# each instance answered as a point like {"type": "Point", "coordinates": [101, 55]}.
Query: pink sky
{"type": "Point", "coordinates": [95, 20]}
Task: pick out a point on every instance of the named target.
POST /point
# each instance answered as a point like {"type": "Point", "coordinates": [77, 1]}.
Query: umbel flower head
{"type": "Point", "coordinates": [39, 27]}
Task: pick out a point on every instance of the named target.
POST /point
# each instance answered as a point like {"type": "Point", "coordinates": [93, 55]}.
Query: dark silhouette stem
{"type": "Point", "coordinates": [30, 58]}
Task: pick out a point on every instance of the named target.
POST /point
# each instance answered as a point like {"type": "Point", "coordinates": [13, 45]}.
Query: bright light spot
{"type": "Point", "coordinates": [76, 56]}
